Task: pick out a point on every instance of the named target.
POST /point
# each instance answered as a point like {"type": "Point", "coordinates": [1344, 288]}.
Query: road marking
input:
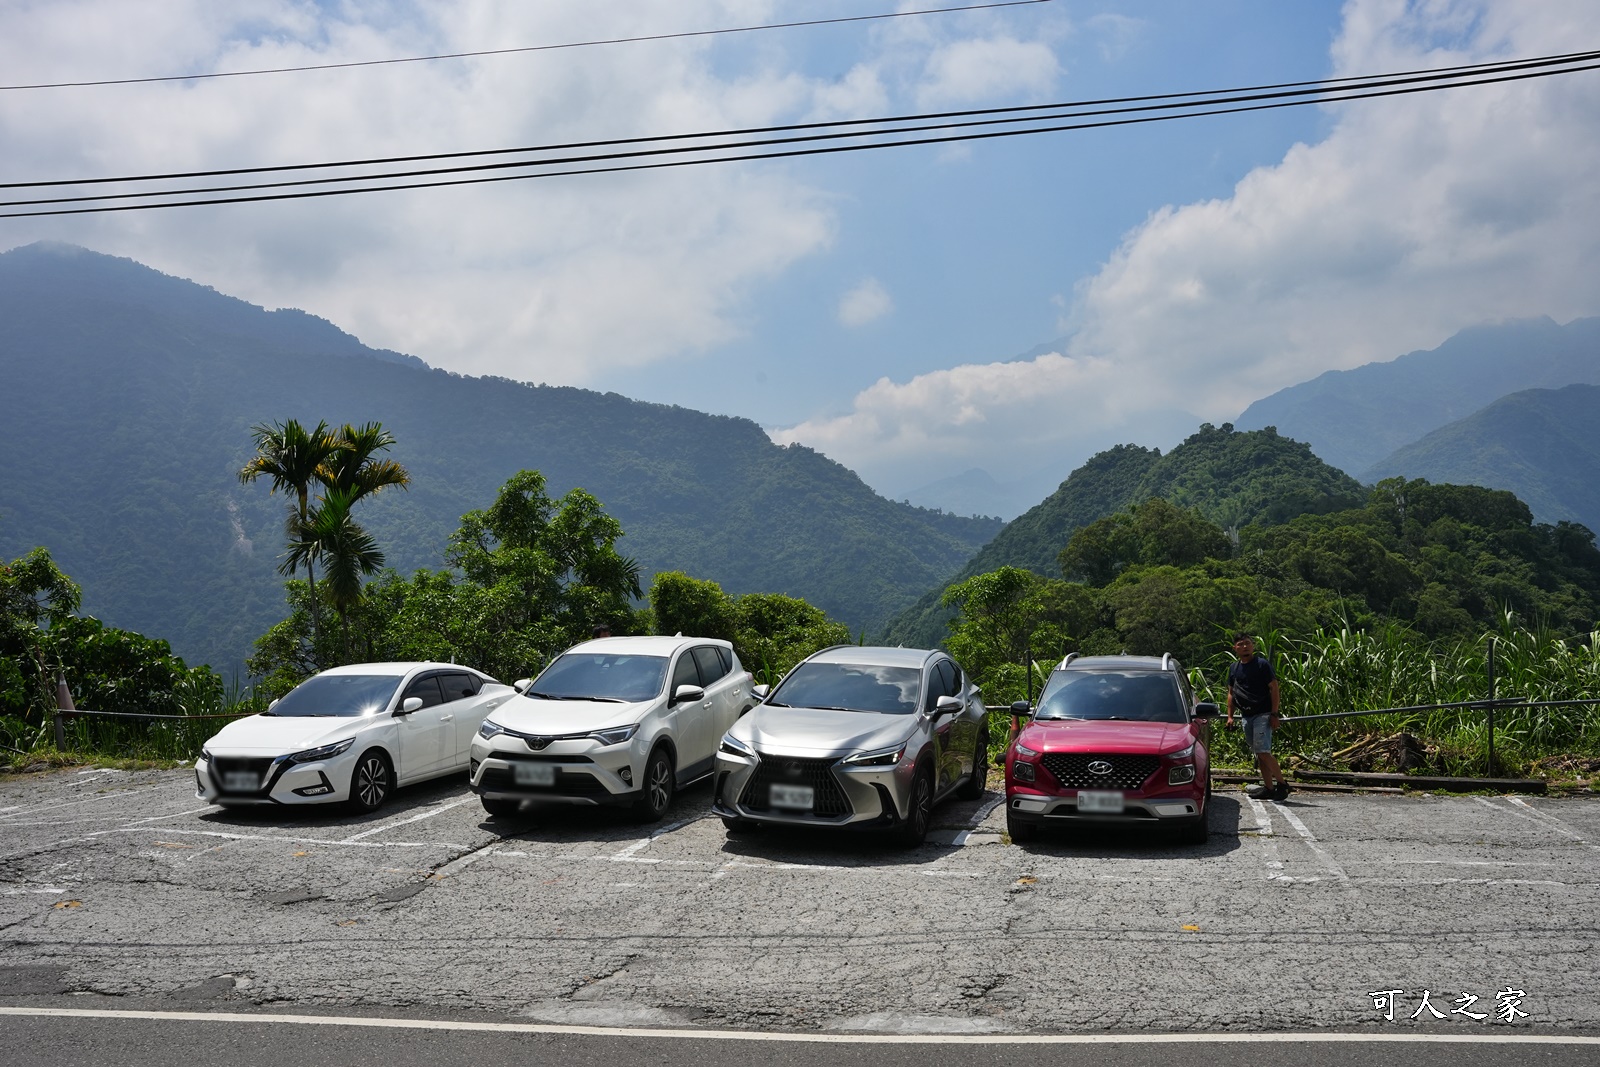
{"type": "Point", "coordinates": [463, 861]}
{"type": "Point", "coordinates": [271, 837]}
{"type": "Point", "coordinates": [1311, 843]}
{"type": "Point", "coordinates": [1269, 842]}
{"type": "Point", "coordinates": [1313, 1037]}
{"type": "Point", "coordinates": [48, 890]}
{"type": "Point", "coordinates": [177, 815]}
{"type": "Point", "coordinates": [1551, 821]}
{"type": "Point", "coordinates": [88, 800]}
{"type": "Point", "coordinates": [430, 813]}
{"type": "Point", "coordinates": [627, 855]}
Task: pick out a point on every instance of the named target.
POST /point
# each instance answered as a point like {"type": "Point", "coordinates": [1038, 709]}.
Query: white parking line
{"type": "Point", "coordinates": [47, 890]}
{"type": "Point", "coordinates": [627, 855]}
{"type": "Point", "coordinates": [86, 800]}
{"type": "Point", "coordinates": [1553, 822]}
{"type": "Point", "coordinates": [430, 813]}
{"type": "Point", "coordinates": [286, 839]}
{"type": "Point", "coordinates": [1311, 843]}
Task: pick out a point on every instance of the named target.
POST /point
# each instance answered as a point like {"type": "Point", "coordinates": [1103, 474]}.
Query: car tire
{"type": "Point", "coordinates": [978, 781]}
{"type": "Point", "coordinates": [1021, 832]}
{"type": "Point", "coordinates": [659, 786]}
{"type": "Point", "coordinates": [913, 830]}
{"type": "Point", "coordinates": [501, 808]}
{"type": "Point", "coordinates": [1196, 831]}
{"type": "Point", "coordinates": [371, 781]}
{"type": "Point", "coordinates": [737, 826]}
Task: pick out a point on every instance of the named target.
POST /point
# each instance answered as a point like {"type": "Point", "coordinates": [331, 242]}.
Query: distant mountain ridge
{"type": "Point", "coordinates": [1541, 444]}
{"type": "Point", "coordinates": [141, 390]}
{"type": "Point", "coordinates": [1355, 418]}
{"type": "Point", "coordinates": [1231, 477]}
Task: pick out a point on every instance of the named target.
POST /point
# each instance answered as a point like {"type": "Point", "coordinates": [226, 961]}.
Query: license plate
{"type": "Point", "coordinates": [535, 774]}
{"type": "Point", "coordinates": [1099, 802]}
{"type": "Point", "coordinates": [241, 781]}
{"type": "Point", "coordinates": [795, 797]}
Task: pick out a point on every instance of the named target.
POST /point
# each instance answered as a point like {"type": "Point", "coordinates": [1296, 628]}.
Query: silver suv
{"type": "Point", "coordinates": [864, 738]}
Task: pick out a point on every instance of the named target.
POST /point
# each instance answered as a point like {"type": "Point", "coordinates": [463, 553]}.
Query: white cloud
{"type": "Point", "coordinates": [1414, 217]}
{"type": "Point", "coordinates": [865, 303]}
{"type": "Point", "coordinates": [970, 71]}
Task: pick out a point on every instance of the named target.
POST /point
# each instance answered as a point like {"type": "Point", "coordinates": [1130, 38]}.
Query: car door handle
{"type": "Point", "coordinates": [446, 718]}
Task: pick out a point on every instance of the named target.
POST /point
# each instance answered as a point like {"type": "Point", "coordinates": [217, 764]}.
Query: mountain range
{"type": "Point", "coordinates": [134, 394]}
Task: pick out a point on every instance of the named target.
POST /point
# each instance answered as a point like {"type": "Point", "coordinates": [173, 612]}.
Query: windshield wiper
{"type": "Point", "coordinates": [832, 707]}
{"type": "Point", "coordinates": [776, 704]}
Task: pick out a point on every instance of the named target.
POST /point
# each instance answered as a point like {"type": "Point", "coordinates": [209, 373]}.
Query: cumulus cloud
{"type": "Point", "coordinates": [865, 303]}
{"type": "Point", "coordinates": [555, 280]}
{"type": "Point", "coordinates": [973, 70]}
{"type": "Point", "coordinates": [1413, 218]}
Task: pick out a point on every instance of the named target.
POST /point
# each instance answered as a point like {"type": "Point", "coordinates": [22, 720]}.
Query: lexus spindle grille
{"type": "Point", "coordinates": [1077, 771]}
{"type": "Point", "coordinates": [829, 798]}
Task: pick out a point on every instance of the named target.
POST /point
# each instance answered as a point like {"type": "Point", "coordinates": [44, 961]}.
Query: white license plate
{"type": "Point", "coordinates": [1100, 802]}
{"type": "Point", "coordinates": [534, 774]}
{"type": "Point", "coordinates": [241, 781]}
{"type": "Point", "coordinates": [795, 797]}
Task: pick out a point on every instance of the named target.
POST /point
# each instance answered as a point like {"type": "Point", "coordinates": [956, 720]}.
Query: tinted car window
{"type": "Point", "coordinates": [427, 689]}
{"type": "Point", "coordinates": [601, 676]}
{"type": "Point", "coordinates": [1143, 696]}
{"type": "Point", "coordinates": [710, 664]}
{"type": "Point", "coordinates": [685, 673]}
{"type": "Point", "coordinates": [850, 687]}
{"type": "Point", "coordinates": [726, 657]}
{"type": "Point", "coordinates": [343, 695]}
{"type": "Point", "coordinates": [458, 686]}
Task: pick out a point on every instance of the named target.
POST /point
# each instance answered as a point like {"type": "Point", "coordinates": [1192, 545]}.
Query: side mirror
{"type": "Point", "coordinates": [1022, 709]}
{"type": "Point", "coordinates": [761, 691]}
{"type": "Point", "coordinates": [522, 685]}
{"type": "Point", "coordinates": [1206, 710]}
{"type": "Point", "coordinates": [687, 692]}
{"type": "Point", "coordinates": [408, 705]}
{"type": "Point", "coordinates": [947, 706]}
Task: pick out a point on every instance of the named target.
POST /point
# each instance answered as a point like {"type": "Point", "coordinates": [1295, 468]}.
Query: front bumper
{"type": "Point", "coordinates": [1056, 809]}
{"type": "Point", "coordinates": [598, 776]}
{"type": "Point", "coordinates": [281, 782]}
{"type": "Point", "coordinates": [850, 797]}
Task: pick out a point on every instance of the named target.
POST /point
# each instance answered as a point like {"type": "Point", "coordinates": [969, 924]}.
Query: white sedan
{"type": "Point", "coordinates": [351, 733]}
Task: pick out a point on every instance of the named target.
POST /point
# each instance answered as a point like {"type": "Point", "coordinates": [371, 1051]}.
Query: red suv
{"type": "Point", "coordinates": [1114, 740]}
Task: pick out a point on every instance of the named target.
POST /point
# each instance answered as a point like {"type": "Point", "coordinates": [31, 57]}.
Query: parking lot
{"type": "Point", "coordinates": [124, 885]}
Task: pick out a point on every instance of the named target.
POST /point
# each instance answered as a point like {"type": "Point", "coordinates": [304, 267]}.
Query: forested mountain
{"type": "Point", "coordinates": [132, 397]}
{"type": "Point", "coordinates": [1355, 418]}
{"type": "Point", "coordinates": [1541, 444]}
{"type": "Point", "coordinates": [1233, 478]}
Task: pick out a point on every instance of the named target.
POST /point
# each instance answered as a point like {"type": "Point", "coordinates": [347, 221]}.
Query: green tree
{"type": "Point", "coordinates": [293, 458]}
{"type": "Point", "coordinates": [332, 536]}
{"type": "Point", "coordinates": [695, 607]}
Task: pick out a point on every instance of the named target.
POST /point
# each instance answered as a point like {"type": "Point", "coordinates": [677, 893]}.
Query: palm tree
{"type": "Point", "coordinates": [352, 468]}
{"type": "Point", "coordinates": [348, 552]}
{"type": "Point", "coordinates": [293, 457]}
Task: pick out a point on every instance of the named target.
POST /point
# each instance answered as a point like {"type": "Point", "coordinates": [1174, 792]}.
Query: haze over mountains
{"type": "Point", "coordinates": [133, 397]}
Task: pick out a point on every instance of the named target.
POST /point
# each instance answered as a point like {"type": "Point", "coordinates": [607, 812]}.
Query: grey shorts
{"type": "Point", "coordinates": [1258, 732]}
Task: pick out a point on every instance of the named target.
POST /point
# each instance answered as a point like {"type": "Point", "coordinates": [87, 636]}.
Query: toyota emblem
{"type": "Point", "coordinates": [1099, 766]}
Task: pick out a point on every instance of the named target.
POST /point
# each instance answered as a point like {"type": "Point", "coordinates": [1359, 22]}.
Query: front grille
{"type": "Point", "coordinates": [260, 766]}
{"type": "Point", "coordinates": [1071, 769]}
{"type": "Point", "coordinates": [535, 742]}
{"type": "Point", "coordinates": [501, 780]}
{"type": "Point", "coordinates": [817, 773]}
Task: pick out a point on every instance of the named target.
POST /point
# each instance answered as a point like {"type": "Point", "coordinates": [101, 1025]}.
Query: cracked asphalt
{"type": "Point", "coordinates": [123, 885]}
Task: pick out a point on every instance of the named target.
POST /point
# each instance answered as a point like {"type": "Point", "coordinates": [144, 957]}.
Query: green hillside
{"type": "Point", "coordinates": [1233, 478]}
{"type": "Point", "coordinates": [1541, 444]}
{"type": "Point", "coordinates": [141, 390]}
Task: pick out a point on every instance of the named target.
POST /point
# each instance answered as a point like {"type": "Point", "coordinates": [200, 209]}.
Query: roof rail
{"type": "Point", "coordinates": [1166, 661]}
{"type": "Point", "coordinates": [1068, 658]}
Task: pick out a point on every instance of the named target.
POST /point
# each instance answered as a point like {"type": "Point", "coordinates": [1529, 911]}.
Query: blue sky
{"type": "Point", "coordinates": [873, 305]}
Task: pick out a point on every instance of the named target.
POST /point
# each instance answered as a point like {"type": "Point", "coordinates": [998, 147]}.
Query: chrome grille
{"type": "Point", "coordinates": [1071, 769]}
{"type": "Point", "coordinates": [817, 773]}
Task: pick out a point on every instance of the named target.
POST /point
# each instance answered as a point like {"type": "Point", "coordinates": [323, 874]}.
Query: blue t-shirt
{"type": "Point", "coordinates": [1250, 682]}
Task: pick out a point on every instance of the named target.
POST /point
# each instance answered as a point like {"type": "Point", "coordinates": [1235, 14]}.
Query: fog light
{"type": "Point", "coordinates": [626, 774]}
{"type": "Point", "coordinates": [1182, 774]}
{"type": "Point", "coordinates": [1023, 772]}
{"type": "Point", "coordinates": [313, 791]}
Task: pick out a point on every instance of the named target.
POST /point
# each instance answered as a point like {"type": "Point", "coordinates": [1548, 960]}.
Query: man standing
{"type": "Point", "coordinates": [1253, 693]}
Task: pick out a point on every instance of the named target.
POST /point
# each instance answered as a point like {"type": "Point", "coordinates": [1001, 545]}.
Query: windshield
{"type": "Point", "coordinates": [850, 687]}
{"type": "Point", "coordinates": [344, 695]}
{"type": "Point", "coordinates": [1142, 696]}
{"type": "Point", "coordinates": [601, 676]}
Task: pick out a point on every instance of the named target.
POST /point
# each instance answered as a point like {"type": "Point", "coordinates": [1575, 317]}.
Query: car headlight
{"type": "Point", "coordinates": [735, 747]}
{"type": "Point", "coordinates": [1024, 752]}
{"type": "Point", "coordinates": [311, 755]}
{"type": "Point", "coordinates": [614, 736]}
{"type": "Point", "coordinates": [489, 729]}
{"type": "Point", "coordinates": [880, 758]}
{"type": "Point", "coordinates": [1182, 753]}
{"type": "Point", "coordinates": [205, 754]}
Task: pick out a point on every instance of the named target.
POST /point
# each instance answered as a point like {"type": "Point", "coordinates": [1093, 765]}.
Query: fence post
{"type": "Point", "coordinates": [1489, 660]}
{"type": "Point", "coordinates": [63, 703]}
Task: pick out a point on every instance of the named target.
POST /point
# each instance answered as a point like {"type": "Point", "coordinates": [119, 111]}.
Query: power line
{"type": "Point", "coordinates": [525, 48]}
{"type": "Point", "coordinates": [775, 148]}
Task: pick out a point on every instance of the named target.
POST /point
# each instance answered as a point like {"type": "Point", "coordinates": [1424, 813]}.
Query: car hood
{"type": "Point", "coordinates": [816, 732]}
{"type": "Point", "coordinates": [530, 715]}
{"type": "Point", "coordinates": [272, 735]}
{"type": "Point", "coordinates": [1128, 738]}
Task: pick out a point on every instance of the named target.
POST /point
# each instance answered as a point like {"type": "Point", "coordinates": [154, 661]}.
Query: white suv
{"type": "Point", "coordinates": [619, 720]}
